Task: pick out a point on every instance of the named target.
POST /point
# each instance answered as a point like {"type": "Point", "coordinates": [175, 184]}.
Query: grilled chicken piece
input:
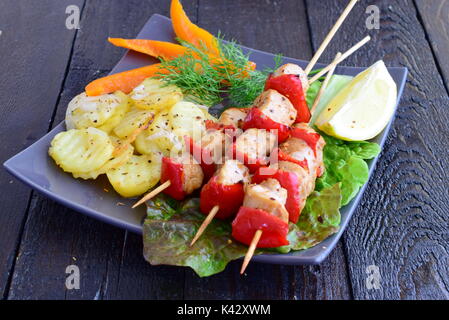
{"type": "Point", "coordinates": [307, 181]}
{"type": "Point", "coordinates": [233, 117]}
{"type": "Point", "coordinates": [319, 147]}
{"type": "Point", "coordinates": [193, 175]}
{"type": "Point", "coordinates": [232, 172]}
{"type": "Point", "coordinates": [291, 68]}
{"type": "Point", "coordinates": [300, 150]}
{"type": "Point", "coordinates": [268, 196]}
{"type": "Point", "coordinates": [255, 143]}
{"type": "Point", "coordinates": [215, 142]}
{"type": "Point", "coordinates": [276, 107]}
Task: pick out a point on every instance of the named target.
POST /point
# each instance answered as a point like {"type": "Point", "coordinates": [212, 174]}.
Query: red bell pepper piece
{"type": "Point", "coordinates": [311, 138]}
{"type": "Point", "coordinates": [228, 197]}
{"type": "Point", "coordinates": [288, 181]}
{"type": "Point", "coordinates": [173, 172]}
{"type": "Point", "coordinates": [282, 156]}
{"type": "Point", "coordinates": [257, 119]}
{"type": "Point", "coordinates": [290, 85]}
{"type": "Point", "coordinates": [204, 158]}
{"type": "Point", "coordinates": [249, 220]}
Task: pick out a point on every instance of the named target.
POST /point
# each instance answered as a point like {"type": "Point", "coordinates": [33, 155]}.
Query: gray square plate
{"type": "Point", "coordinates": [34, 167]}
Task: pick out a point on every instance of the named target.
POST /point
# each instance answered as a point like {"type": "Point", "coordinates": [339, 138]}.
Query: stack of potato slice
{"type": "Point", "coordinates": [126, 136]}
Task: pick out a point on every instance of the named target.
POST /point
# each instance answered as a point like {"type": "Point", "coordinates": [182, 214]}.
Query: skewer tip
{"type": "Point", "coordinates": [251, 249]}
{"type": "Point", "coordinates": [152, 194]}
{"type": "Point", "coordinates": [205, 223]}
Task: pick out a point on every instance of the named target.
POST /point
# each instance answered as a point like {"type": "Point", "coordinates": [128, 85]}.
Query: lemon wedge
{"type": "Point", "coordinates": [362, 109]}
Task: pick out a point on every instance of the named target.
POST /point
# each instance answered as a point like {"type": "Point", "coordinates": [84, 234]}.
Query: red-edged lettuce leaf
{"type": "Point", "coordinates": [168, 230]}
{"type": "Point", "coordinates": [167, 241]}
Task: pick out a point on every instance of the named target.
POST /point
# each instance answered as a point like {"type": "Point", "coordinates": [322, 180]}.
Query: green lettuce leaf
{"type": "Point", "coordinates": [345, 163]}
{"type": "Point", "coordinates": [364, 150]}
{"type": "Point", "coordinates": [312, 93]}
{"type": "Point", "coordinates": [168, 241]}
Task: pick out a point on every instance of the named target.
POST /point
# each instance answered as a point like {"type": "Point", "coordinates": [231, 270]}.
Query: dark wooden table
{"type": "Point", "coordinates": [401, 225]}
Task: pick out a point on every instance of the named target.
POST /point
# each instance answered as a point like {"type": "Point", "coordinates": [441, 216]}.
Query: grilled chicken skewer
{"type": "Point", "coordinates": [271, 111]}
{"type": "Point", "coordinates": [252, 148]}
{"type": "Point", "coordinates": [302, 154]}
{"type": "Point", "coordinates": [262, 221]}
{"type": "Point", "coordinates": [295, 177]}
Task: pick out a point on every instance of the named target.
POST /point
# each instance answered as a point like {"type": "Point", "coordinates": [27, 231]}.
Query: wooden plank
{"type": "Point", "coordinates": [435, 17]}
{"type": "Point", "coordinates": [110, 261]}
{"type": "Point", "coordinates": [35, 48]}
{"type": "Point", "coordinates": [274, 282]}
{"type": "Point", "coordinates": [401, 224]}
{"type": "Point", "coordinates": [272, 26]}
{"type": "Point", "coordinates": [140, 280]}
{"type": "Point", "coordinates": [257, 24]}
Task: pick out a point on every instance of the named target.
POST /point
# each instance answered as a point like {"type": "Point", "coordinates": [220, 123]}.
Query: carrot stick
{"type": "Point", "coordinates": [123, 81]}
{"type": "Point", "coordinates": [157, 49]}
{"type": "Point", "coordinates": [190, 32]}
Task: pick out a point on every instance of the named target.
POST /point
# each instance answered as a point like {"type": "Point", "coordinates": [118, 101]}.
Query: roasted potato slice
{"type": "Point", "coordinates": [121, 154]}
{"type": "Point", "coordinates": [103, 112]}
{"type": "Point", "coordinates": [136, 176]}
{"type": "Point", "coordinates": [81, 150]}
{"type": "Point", "coordinates": [162, 133]}
{"type": "Point", "coordinates": [134, 122]}
{"type": "Point", "coordinates": [144, 144]}
{"type": "Point", "coordinates": [116, 118]}
{"type": "Point", "coordinates": [153, 94]}
{"type": "Point", "coordinates": [187, 118]}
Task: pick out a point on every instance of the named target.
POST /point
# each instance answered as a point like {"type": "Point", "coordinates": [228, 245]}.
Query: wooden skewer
{"type": "Point", "coordinates": [324, 85]}
{"type": "Point", "coordinates": [205, 223]}
{"type": "Point", "coordinates": [258, 234]}
{"type": "Point", "coordinates": [343, 57]}
{"type": "Point", "coordinates": [329, 36]}
{"type": "Point", "coordinates": [251, 249]}
{"type": "Point", "coordinates": [153, 193]}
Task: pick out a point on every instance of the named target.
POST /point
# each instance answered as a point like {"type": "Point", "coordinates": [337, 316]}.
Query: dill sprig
{"type": "Point", "coordinates": [245, 84]}
{"type": "Point", "coordinates": [207, 80]}
{"type": "Point", "coordinates": [195, 75]}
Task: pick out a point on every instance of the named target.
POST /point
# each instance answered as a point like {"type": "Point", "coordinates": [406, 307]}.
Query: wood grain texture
{"type": "Point", "coordinates": [262, 25]}
{"type": "Point", "coordinates": [35, 46]}
{"type": "Point", "coordinates": [55, 236]}
{"type": "Point", "coordinates": [402, 222]}
{"type": "Point", "coordinates": [435, 17]}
